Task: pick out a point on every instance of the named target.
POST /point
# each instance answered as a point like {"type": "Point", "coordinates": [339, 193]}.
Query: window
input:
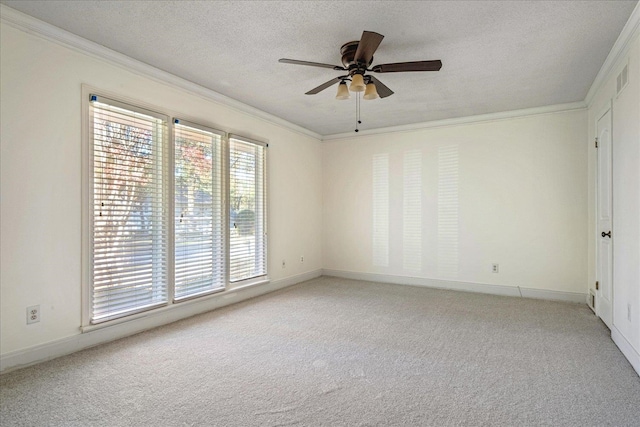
{"type": "Point", "coordinates": [247, 209]}
{"type": "Point", "coordinates": [199, 222]}
{"type": "Point", "coordinates": [129, 227]}
{"type": "Point", "coordinates": [150, 248]}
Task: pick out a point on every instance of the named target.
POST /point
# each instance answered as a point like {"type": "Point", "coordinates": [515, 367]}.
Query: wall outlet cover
{"type": "Point", "coordinates": [33, 314]}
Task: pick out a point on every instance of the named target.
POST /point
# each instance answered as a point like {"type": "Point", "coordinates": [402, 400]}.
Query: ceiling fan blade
{"type": "Point", "coordinates": [408, 66]}
{"type": "Point", "coordinates": [323, 86]}
{"type": "Point", "coordinates": [383, 91]}
{"type": "Point", "coordinates": [311, 64]}
{"type": "Point", "coordinates": [368, 44]}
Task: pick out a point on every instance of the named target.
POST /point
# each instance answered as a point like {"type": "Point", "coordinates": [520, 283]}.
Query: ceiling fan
{"type": "Point", "coordinates": [357, 57]}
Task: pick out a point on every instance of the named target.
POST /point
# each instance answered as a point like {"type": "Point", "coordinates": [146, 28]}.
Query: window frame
{"type": "Point", "coordinates": [223, 207]}
{"type": "Point", "coordinates": [168, 167]}
{"type": "Point", "coordinates": [265, 206]}
{"type": "Point", "coordinates": [159, 166]}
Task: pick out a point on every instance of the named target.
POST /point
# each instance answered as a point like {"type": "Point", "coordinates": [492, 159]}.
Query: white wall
{"type": "Point", "coordinates": [521, 195]}
{"type": "Point", "coordinates": [41, 180]}
{"type": "Point", "coordinates": [626, 197]}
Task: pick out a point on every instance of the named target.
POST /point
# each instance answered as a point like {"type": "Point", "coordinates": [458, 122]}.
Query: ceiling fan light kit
{"type": "Point", "coordinates": [357, 83]}
{"type": "Point", "coordinates": [357, 57]}
{"type": "Point", "coordinates": [343, 91]}
{"type": "Point", "coordinates": [370, 92]}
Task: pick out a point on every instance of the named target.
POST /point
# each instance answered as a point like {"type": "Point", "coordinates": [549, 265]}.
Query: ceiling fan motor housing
{"type": "Point", "coordinates": [348, 52]}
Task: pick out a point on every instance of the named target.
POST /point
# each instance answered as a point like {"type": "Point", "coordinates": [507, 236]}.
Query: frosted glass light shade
{"type": "Point", "coordinates": [343, 92]}
{"type": "Point", "coordinates": [357, 83]}
{"type": "Point", "coordinates": [371, 92]}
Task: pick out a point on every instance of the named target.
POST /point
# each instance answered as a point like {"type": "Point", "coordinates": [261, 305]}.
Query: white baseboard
{"type": "Point", "coordinates": [576, 297]}
{"type": "Point", "coordinates": [626, 348]}
{"type": "Point", "coordinates": [512, 291]}
{"type": "Point", "coordinates": [47, 351]}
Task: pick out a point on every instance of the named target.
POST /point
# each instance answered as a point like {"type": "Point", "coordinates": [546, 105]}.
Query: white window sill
{"type": "Point", "coordinates": [227, 293]}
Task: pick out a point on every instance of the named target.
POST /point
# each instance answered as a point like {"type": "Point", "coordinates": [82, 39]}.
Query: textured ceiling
{"type": "Point", "coordinates": [496, 55]}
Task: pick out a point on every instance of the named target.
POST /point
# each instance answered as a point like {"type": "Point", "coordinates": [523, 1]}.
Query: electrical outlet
{"type": "Point", "coordinates": [33, 314]}
{"type": "Point", "coordinates": [495, 268]}
{"type": "Point", "coordinates": [629, 312]}
{"type": "Point", "coordinates": [301, 259]}
{"type": "Point", "coordinates": [284, 264]}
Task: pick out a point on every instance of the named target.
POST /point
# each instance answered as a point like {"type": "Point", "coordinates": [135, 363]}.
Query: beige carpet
{"type": "Point", "coordinates": [333, 352]}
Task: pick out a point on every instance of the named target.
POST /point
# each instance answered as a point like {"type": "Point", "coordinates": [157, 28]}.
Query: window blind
{"type": "Point", "coordinates": [412, 211]}
{"type": "Point", "coordinates": [448, 211]}
{"type": "Point", "coordinates": [129, 227]}
{"type": "Point", "coordinates": [199, 220]}
{"type": "Point", "coordinates": [380, 205]}
{"type": "Point", "coordinates": [247, 213]}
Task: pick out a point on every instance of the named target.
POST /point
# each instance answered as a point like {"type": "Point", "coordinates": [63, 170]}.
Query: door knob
{"type": "Point", "coordinates": [606, 234]}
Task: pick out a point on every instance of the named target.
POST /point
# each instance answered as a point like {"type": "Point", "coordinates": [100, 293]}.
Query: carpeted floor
{"type": "Point", "coordinates": [333, 352]}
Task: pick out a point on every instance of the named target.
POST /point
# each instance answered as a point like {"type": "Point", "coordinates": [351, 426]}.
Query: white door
{"type": "Point", "coordinates": [604, 268]}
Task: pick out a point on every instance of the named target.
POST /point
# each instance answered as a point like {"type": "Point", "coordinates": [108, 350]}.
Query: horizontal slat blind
{"type": "Point", "coordinates": [380, 205]}
{"type": "Point", "coordinates": [130, 229]}
{"type": "Point", "coordinates": [199, 221]}
{"type": "Point", "coordinates": [248, 245]}
{"type": "Point", "coordinates": [448, 212]}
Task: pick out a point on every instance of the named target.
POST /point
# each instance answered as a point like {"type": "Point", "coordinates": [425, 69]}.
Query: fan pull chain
{"type": "Point", "coordinates": [358, 121]}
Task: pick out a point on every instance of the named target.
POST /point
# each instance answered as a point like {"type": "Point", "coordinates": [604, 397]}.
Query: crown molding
{"type": "Point", "coordinates": [31, 25]}
{"type": "Point", "coordinates": [481, 118]}
{"type": "Point", "coordinates": [619, 50]}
